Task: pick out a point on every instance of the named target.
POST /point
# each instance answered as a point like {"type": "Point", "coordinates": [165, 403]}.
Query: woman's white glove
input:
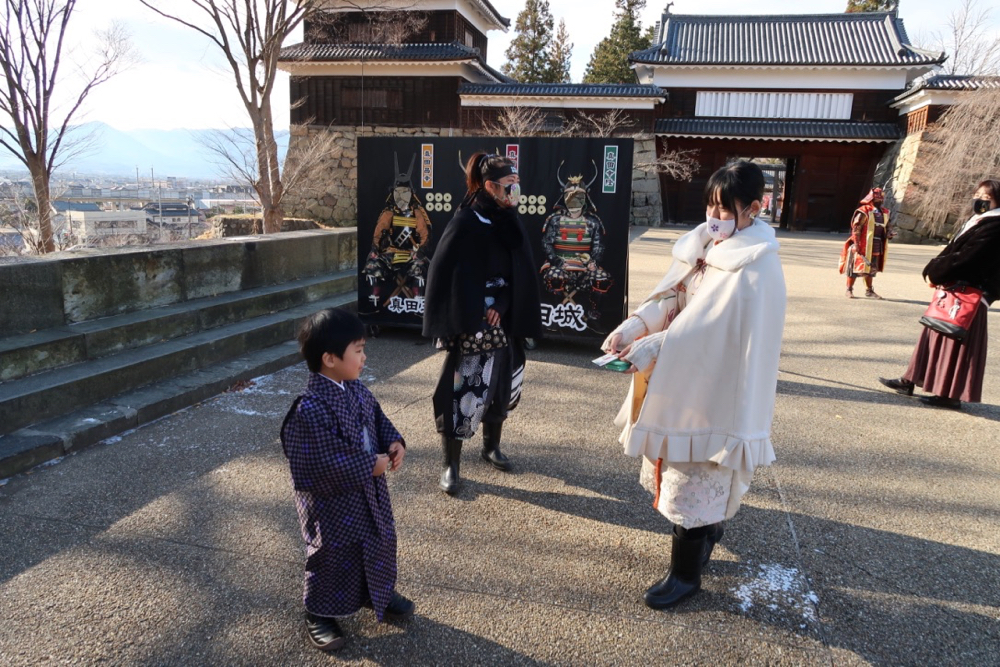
{"type": "Point", "coordinates": [644, 351]}
{"type": "Point", "coordinates": [626, 333]}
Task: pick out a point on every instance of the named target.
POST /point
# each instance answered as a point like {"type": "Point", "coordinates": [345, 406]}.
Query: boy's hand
{"type": "Point", "coordinates": [396, 455]}
{"type": "Point", "coordinates": [381, 464]}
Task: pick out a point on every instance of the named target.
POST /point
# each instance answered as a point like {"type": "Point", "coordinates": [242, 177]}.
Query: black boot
{"type": "Point", "coordinates": [323, 632]}
{"type": "Point", "coordinates": [452, 456]}
{"type": "Point", "coordinates": [684, 578]}
{"type": "Point", "coordinates": [491, 446]}
{"type": "Point", "coordinates": [714, 536]}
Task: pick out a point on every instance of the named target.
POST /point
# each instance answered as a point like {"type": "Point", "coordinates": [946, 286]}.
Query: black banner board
{"type": "Point", "coordinates": [576, 195]}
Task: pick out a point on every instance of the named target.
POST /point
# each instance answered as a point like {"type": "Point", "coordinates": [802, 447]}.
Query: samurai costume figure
{"type": "Point", "coordinates": [864, 252]}
{"type": "Point", "coordinates": [398, 257]}
{"type": "Point", "coordinates": [573, 242]}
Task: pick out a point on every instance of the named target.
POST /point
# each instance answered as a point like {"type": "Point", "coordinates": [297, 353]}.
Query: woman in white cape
{"type": "Point", "coordinates": [704, 350]}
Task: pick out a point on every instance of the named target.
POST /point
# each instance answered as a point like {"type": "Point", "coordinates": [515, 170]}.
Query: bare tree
{"type": "Point", "coordinates": [961, 150]}
{"type": "Point", "coordinates": [606, 124]}
{"type": "Point", "coordinates": [234, 151]}
{"type": "Point", "coordinates": [250, 33]}
{"type": "Point", "coordinates": [680, 165]}
{"type": "Point", "coordinates": [32, 38]}
{"type": "Point", "coordinates": [19, 212]}
{"type": "Point", "coordinates": [386, 22]}
{"type": "Point", "coordinates": [516, 121]}
{"type": "Point", "coordinates": [971, 40]}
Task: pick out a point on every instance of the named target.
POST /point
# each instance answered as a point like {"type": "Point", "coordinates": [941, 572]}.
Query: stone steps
{"type": "Point", "coordinates": [27, 354]}
{"type": "Point", "coordinates": [66, 407]}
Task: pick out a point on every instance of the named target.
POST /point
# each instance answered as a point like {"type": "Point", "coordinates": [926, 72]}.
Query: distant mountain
{"type": "Point", "coordinates": [179, 153]}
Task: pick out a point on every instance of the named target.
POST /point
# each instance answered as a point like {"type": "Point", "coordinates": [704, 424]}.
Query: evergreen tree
{"type": "Point", "coordinates": [526, 55]}
{"type": "Point", "coordinates": [609, 61]}
{"type": "Point", "coordinates": [870, 6]}
{"type": "Point", "coordinates": [560, 53]}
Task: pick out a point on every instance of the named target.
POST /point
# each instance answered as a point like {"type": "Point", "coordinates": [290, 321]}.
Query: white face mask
{"type": "Point", "coordinates": [510, 195]}
{"type": "Point", "coordinates": [720, 230]}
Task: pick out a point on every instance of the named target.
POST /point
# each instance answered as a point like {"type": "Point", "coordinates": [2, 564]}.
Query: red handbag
{"type": "Point", "coordinates": [952, 310]}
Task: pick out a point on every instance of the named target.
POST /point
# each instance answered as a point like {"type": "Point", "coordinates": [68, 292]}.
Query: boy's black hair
{"type": "Point", "coordinates": [330, 330]}
{"type": "Point", "coordinates": [738, 185]}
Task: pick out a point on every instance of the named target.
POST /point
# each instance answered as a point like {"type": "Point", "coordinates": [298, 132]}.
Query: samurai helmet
{"type": "Point", "coordinates": [400, 177]}
{"type": "Point", "coordinates": [574, 190]}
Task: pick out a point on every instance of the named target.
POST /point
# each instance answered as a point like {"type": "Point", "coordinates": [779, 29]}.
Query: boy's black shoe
{"type": "Point", "coordinates": [398, 609]}
{"type": "Point", "coordinates": [323, 632]}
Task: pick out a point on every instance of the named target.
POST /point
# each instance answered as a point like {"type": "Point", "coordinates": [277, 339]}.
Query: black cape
{"type": "Point", "coordinates": [456, 280]}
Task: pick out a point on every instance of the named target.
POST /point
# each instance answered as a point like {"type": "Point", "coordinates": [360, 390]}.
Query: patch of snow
{"type": "Point", "coordinates": [251, 413]}
{"type": "Point", "coordinates": [775, 586]}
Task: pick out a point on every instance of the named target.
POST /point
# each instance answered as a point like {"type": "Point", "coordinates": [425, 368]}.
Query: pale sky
{"type": "Point", "coordinates": [182, 83]}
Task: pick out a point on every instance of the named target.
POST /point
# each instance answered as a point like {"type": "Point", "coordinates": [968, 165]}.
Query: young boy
{"type": "Point", "coordinates": [339, 445]}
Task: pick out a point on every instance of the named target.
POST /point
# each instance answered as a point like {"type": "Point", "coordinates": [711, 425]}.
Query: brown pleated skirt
{"type": "Point", "coordinates": [948, 368]}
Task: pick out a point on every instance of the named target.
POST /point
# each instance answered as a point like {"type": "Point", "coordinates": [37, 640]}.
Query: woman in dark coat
{"type": "Point", "coordinates": [481, 302]}
{"type": "Point", "coordinates": [952, 371]}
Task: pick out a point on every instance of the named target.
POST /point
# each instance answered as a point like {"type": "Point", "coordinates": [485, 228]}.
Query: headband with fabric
{"type": "Point", "coordinates": [871, 195]}
{"type": "Point", "coordinates": [494, 172]}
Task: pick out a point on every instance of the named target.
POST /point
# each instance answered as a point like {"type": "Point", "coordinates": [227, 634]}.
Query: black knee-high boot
{"type": "Point", "coordinates": [687, 552]}
{"type": "Point", "coordinates": [713, 537]}
{"type": "Point", "coordinates": [452, 456]}
{"type": "Point", "coordinates": [491, 446]}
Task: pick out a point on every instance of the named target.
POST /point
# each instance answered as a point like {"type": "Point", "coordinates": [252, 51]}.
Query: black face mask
{"type": "Point", "coordinates": [980, 206]}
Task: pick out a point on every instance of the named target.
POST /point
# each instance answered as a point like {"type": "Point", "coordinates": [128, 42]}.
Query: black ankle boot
{"type": "Point", "coordinates": [323, 632]}
{"type": "Point", "coordinates": [491, 446]}
{"type": "Point", "coordinates": [452, 456]}
{"type": "Point", "coordinates": [684, 578]}
{"type": "Point", "coordinates": [899, 385]}
{"type": "Point", "coordinates": [714, 536]}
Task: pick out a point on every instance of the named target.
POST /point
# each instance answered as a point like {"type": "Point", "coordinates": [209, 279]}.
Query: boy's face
{"type": "Point", "coordinates": [349, 366]}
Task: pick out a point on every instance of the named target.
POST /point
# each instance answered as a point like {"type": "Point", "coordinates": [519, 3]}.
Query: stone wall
{"type": "Point", "coordinates": [225, 226]}
{"type": "Point", "coordinates": [77, 286]}
{"type": "Point", "coordinates": [647, 204]}
{"type": "Point", "coordinates": [900, 169]}
{"type": "Point", "coordinates": [331, 196]}
{"type": "Point", "coordinates": [332, 200]}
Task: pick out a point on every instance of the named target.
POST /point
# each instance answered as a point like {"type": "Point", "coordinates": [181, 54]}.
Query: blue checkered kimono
{"type": "Point", "coordinates": [330, 437]}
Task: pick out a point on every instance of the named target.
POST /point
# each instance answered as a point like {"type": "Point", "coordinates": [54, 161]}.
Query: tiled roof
{"type": "Point", "coordinates": [440, 52]}
{"type": "Point", "coordinates": [562, 89]}
{"type": "Point", "coordinates": [351, 52]}
{"type": "Point", "coordinates": [492, 10]}
{"type": "Point", "coordinates": [809, 130]}
{"type": "Point", "coordinates": [957, 82]}
{"type": "Point", "coordinates": [856, 39]}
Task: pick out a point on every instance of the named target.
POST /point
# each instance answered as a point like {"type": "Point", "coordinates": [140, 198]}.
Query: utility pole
{"type": "Point", "coordinates": [159, 200]}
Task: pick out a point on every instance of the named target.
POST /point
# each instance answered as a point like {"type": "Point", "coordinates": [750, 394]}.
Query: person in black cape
{"type": "Point", "coordinates": [952, 371]}
{"type": "Point", "coordinates": [481, 301]}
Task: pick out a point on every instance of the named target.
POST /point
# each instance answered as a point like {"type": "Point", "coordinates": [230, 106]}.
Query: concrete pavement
{"type": "Point", "coordinates": [875, 538]}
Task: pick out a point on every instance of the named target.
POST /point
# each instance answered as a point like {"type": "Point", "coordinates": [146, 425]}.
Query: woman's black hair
{"type": "Point", "coordinates": [992, 186]}
{"type": "Point", "coordinates": [328, 331]}
{"type": "Point", "coordinates": [736, 186]}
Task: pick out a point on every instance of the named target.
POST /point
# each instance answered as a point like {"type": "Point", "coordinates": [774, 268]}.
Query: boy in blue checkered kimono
{"type": "Point", "coordinates": [339, 444]}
